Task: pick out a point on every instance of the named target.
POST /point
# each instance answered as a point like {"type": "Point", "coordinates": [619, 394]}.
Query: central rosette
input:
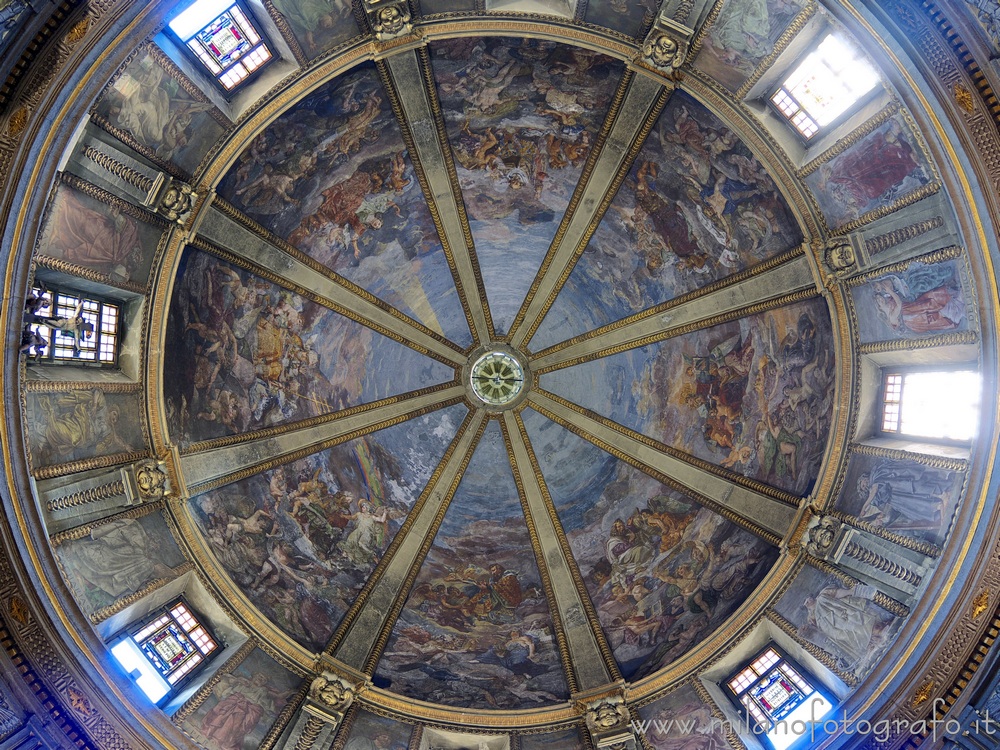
{"type": "Point", "coordinates": [498, 377]}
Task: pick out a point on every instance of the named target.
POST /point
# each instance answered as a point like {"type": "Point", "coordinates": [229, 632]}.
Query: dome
{"type": "Point", "coordinates": [508, 375]}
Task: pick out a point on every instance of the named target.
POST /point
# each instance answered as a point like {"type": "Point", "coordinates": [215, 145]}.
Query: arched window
{"type": "Point", "coordinates": [939, 405]}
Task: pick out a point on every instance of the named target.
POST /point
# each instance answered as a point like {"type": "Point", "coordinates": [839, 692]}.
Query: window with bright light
{"type": "Point", "coordinates": [60, 325]}
{"type": "Point", "coordinates": [779, 697]}
{"type": "Point", "coordinates": [222, 36]}
{"type": "Point", "coordinates": [826, 84]}
{"type": "Point", "coordinates": [165, 650]}
{"type": "Point", "coordinates": [941, 405]}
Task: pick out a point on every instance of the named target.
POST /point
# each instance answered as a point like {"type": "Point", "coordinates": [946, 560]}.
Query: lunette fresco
{"type": "Point", "coordinates": [924, 299]}
{"type": "Point", "coordinates": [876, 172]}
{"type": "Point", "coordinates": [243, 705]}
{"type": "Point", "coordinates": [82, 423]}
{"type": "Point", "coordinates": [95, 235]}
{"type": "Point", "coordinates": [681, 720]}
{"type": "Point", "coordinates": [839, 618]}
{"type": "Point", "coordinates": [904, 496]}
{"type": "Point", "coordinates": [149, 104]}
{"type": "Point", "coordinates": [117, 558]}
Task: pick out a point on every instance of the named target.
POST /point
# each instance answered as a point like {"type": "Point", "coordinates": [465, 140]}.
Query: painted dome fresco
{"type": "Point", "coordinates": [446, 375]}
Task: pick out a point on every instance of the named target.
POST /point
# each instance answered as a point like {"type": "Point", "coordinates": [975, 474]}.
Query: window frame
{"type": "Point", "coordinates": [887, 371]}
{"type": "Point", "coordinates": [53, 292]}
{"type": "Point", "coordinates": [203, 68]}
{"type": "Point", "coordinates": [129, 632]}
{"type": "Point", "coordinates": [831, 126]}
{"type": "Point", "coordinates": [751, 722]}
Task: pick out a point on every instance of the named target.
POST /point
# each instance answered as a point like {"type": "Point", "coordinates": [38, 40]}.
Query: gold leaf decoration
{"type": "Point", "coordinates": [964, 97]}
{"type": "Point", "coordinates": [980, 603]}
{"type": "Point", "coordinates": [923, 694]}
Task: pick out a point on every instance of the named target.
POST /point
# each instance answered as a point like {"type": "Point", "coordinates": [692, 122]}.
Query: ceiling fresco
{"type": "Point", "coordinates": [333, 177]}
{"type": "Point", "coordinates": [696, 207]}
{"type": "Point", "coordinates": [522, 118]}
{"type": "Point", "coordinates": [691, 427]}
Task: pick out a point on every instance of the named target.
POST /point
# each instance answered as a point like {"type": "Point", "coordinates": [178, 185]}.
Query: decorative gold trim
{"type": "Point", "coordinates": [610, 663]}
{"type": "Point", "coordinates": [231, 212]}
{"type": "Point", "coordinates": [424, 61]}
{"type": "Point", "coordinates": [923, 694]}
{"type": "Point", "coordinates": [84, 497]}
{"type": "Point", "coordinates": [57, 264]}
{"type": "Point", "coordinates": [938, 256]}
{"type": "Point", "coordinates": [780, 45]}
{"type": "Point", "coordinates": [896, 345]}
{"type": "Point", "coordinates": [882, 211]}
{"type": "Point", "coordinates": [283, 429]}
{"type": "Point", "coordinates": [60, 386]}
{"type": "Point", "coordinates": [82, 531]}
{"type": "Point", "coordinates": [467, 719]}
{"type": "Point", "coordinates": [851, 139]}
{"type": "Point", "coordinates": [936, 462]}
{"type": "Point", "coordinates": [825, 658]}
{"type": "Point", "coordinates": [195, 701]}
{"type": "Point", "coordinates": [270, 463]}
{"type": "Point", "coordinates": [382, 639]}
{"type": "Point", "coordinates": [638, 141]}
{"type": "Point", "coordinates": [129, 140]}
{"type": "Point", "coordinates": [882, 242]}
{"type": "Point", "coordinates": [86, 464]}
{"type": "Point", "coordinates": [661, 308]}
{"type": "Point", "coordinates": [395, 103]}
{"type": "Point", "coordinates": [673, 332]}
{"type": "Point", "coordinates": [881, 563]}
{"type": "Point", "coordinates": [123, 172]}
{"type": "Point", "coordinates": [239, 261]}
{"type": "Point", "coordinates": [128, 600]}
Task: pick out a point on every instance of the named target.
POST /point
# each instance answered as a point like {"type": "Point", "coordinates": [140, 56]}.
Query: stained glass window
{"type": "Point", "coordinates": [827, 83]}
{"type": "Point", "coordinates": [162, 651]}
{"type": "Point", "coordinates": [222, 35]}
{"type": "Point", "coordinates": [780, 699]}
